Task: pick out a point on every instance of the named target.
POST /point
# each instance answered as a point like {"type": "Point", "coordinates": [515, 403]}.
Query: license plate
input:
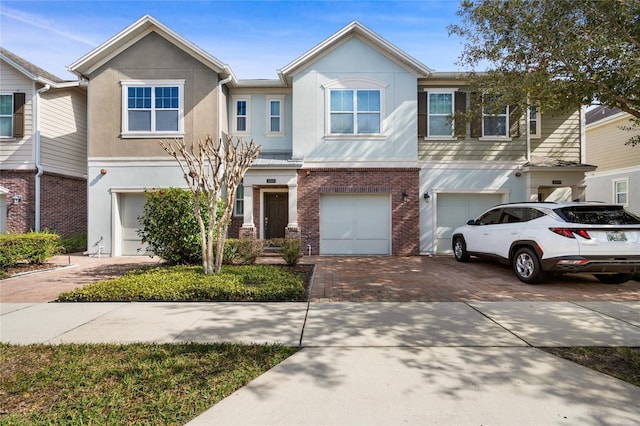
{"type": "Point", "coordinates": [616, 236]}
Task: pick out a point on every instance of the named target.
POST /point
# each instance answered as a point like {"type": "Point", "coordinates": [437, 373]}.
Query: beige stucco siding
{"type": "Point", "coordinates": [560, 137]}
{"type": "Point", "coordinates": [63, 133]}
{"type": "Point", "coordinates": [151, 58]}
{"type": "Point", "coordinates": [606, 146]}
{"type": "Point", "coordinates": [17, 153]}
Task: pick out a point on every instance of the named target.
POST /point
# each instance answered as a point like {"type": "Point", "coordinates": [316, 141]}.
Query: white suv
{"type": "Point", "coordinates": [542, 238]}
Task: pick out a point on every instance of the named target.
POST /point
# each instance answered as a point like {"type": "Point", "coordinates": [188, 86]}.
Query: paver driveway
{"type": "Point", "coordinates": [442, 279]}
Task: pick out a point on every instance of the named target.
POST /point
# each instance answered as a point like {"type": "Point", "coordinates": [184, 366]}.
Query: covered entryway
{"type": "Point", "coordinates": [131, 208]}
{"type": "Point", "coordinates": [276, 218]}
{"type": "Point", "coordinates": [454, 210]}
{"type": "Point", "coordinates": [355, 224]}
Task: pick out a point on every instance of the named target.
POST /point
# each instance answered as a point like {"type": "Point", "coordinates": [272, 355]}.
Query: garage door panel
{"type": "Point", "coordinates": [455, 210]}
{"type": "Point", "coordinates": [355, 224]}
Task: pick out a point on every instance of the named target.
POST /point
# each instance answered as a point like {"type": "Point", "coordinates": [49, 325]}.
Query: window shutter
{"type": "Point", "coordinates": [514, 121]}
{"type": "Point", "coordinates": [18, 114]}
{"type": "Point", "coordinates": [476, 120]}
{"type": "Point", "coordinates": [422, 114]}
{"type": "Point", "coordinates": [460, 108]}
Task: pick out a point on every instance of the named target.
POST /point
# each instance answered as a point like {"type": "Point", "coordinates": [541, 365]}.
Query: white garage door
{"type": "Point", "coordinates": [132, 207]}
{"type": "Point", "coordinates": [455, 210]}
{"type": "Point", "coordinates": [355, 224]}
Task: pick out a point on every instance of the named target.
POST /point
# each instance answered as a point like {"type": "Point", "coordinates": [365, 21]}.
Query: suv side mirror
{"type": "Point", "coordinates": [472, 222]}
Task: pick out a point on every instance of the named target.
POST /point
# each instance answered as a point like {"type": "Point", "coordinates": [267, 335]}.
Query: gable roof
{"type": "Point", "coordinates": [31, 71]}
{"type": "Point", "coordinates": [356, 29]}
{"type": "Point", "coordinates": [600, 113]}
{"type": "Point", "coordinates": [134, 33]}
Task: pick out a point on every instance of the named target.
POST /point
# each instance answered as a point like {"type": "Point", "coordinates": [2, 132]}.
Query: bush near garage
{"type": "Point", "coordinates": [32, 247]}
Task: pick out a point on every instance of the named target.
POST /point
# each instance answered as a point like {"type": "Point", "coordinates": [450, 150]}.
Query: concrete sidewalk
{"type": "Point", "coordinates": [379, 363]}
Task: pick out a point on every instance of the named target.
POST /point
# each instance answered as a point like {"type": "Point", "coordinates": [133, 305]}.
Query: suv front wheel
{"type": "Point", "coordinates": [460, 249]}
{"type": "Point", "coordinates": [527, 266]}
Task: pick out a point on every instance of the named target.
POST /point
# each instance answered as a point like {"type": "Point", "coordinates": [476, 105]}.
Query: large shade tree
{"type": "Point", "coordinates": [555, 54]}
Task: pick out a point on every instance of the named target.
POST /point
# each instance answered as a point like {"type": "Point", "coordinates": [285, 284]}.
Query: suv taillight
{"type": "Point", "coordinates": [571, 232]}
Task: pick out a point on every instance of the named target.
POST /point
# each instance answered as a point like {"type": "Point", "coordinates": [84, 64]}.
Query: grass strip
{"type": "Point", "coordinates": [124, 384]}
{"type": "Point", "coordinates": [188, 283]}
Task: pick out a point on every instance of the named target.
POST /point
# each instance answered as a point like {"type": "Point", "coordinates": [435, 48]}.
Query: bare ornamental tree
{"type": "Point", "coordinates": [213, 170]}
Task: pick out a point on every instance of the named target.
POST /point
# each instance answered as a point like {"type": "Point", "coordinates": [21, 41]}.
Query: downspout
{"type": "Point", "coordinates": [36, 147]}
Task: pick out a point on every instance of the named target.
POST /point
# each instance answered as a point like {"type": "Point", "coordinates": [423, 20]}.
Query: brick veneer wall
{"type": "Point", "coordinates": [405, 217]}
{"type": "Point", "coordinates": [21, 216]}
{"type": "Point", "coordinates": [63, 203]}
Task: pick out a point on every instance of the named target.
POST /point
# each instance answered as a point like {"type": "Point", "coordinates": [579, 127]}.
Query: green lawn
{"type": "Point", "coordinates": [124, 384]}
{"type": "Point", "coordinates": [188, 283]}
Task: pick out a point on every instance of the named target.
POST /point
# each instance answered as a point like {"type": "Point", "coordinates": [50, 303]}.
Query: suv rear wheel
{"type": "Point", "coordinates": [527, 266]}
{"type": "Point", "coordinates": [460, 249]}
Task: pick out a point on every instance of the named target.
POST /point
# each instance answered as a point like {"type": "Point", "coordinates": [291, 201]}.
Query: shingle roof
{"type": "Point", "coordinates": [29, 67]}
{"type": "Point", "coordinates": [600, 113]}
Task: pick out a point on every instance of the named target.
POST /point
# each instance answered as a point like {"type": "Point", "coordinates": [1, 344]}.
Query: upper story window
{"type": "Point", "coordinates": [12, 115]}
{"type": "Point", "coordinates": [355, 111]}
{"type": "Point", "coordinates": [440, 114]}
{"type": "Point", "coordinates": [354, 107]}
{"type": "Point", "coordinates": [6, 115]}
{"type": "Point", "coordinates": [241, 114]}
{"type": "Point", "coordinates": [534, 122]}
{"type": "Point", "coordinates": [495, 125]}
{"type": "Point", "coordinates": [152, 108]}
{"type": "Point", "coordinates": [275, 115]}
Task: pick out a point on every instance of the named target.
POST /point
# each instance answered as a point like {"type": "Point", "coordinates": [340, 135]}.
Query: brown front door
{"type": "Point", "coordinates": [276, 217]}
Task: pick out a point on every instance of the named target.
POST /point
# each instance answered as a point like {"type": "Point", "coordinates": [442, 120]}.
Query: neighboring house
{"type": "Point", "coordinates": [359, 153]}
{"type": "Point", "coordinates": [617, 179]}
{"type": "Point", "coordinates": [43, 154]}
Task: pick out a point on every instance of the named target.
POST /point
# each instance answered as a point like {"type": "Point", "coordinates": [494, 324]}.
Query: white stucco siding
{"type": "Point", "coordinates": [17, 153]}
{"type": "Point", "coordinates": [355, 62]}
{"type": "Point", "coordinates": [63, 132]}
{"type": "Point", "coordinates": [121, 177]}
{"type": "Point", "coordinates": [600, 186]}
{"type": "Point", "coordinates": [497, 182]}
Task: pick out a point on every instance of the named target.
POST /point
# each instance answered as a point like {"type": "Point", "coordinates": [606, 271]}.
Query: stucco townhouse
{"type": "Point", "coordinates": [360, 155]}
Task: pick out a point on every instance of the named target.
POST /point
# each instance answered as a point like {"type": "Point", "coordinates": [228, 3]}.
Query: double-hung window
{"type": "Point", "coordinates": [534, 122]}
{"type": "Point", "coordinates": [621, 192]}
{"type": "Point", "coordinates": [6, 115]}
{"type": "Point", "coordinates": [440, 114]}
{"type": "Point", "coordinates": [238, 209]}
{"type": "Point", "coordinates": [241, 110]}
{"type": "Point", "coordinates": [275, 115]}
{"type": "Point", "coordinates": [355, 111]}
{"type": "Point", "coordinates": [152, 108]}
{"type": "Point", "coordinates": [495, 125]}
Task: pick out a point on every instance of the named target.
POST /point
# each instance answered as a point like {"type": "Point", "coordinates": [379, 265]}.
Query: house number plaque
{"type": "Point", "coordinates": [556, 182]}
{"type": "Point", "coordinates": [271, 181]}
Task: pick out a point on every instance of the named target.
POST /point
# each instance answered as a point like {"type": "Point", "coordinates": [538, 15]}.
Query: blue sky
{"type": "Point", "coordinates": [256, 38]}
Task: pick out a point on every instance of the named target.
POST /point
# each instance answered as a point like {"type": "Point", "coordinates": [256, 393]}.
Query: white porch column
{"type": "Point", "coordinates": [293, 205]}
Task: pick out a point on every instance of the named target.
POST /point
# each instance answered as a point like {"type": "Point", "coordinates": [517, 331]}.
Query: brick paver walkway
{"type": "Point", "coordinates": [442, 279]}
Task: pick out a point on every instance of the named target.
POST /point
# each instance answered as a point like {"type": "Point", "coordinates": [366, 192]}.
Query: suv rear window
{"type": "Point", "coordinates": [598, 215]}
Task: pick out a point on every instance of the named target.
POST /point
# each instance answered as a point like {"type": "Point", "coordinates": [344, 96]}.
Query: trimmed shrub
{"type": "Point", "coordinates": [74, 243]}
{"type": "Point", "coordinates": [230, 253]}
{"type": "Point", "coordinates": [32, 247]}
{"type": "Point", "coordinates": [170, 226]}
{"type": "Point", "coordinates": [249, 249]}
{"type": "Point", "coordinates": [291, 250]}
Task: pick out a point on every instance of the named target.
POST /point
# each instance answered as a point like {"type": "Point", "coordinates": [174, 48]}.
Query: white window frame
{"type": "Point", "coordinates": [234, 114]}
{"type": "Point", "coordinates": [355, 84]}
{"type": "Point", "coordinates": [451, 115]}
{"type": "Point", "coordinates": [9, 136]}
{"type": "Point", "coordinates": [616, 193]}
{"type": "Point", "coordinates": [504, 137]}
{"type": "Point", "coordinates": [537, 133]}
{"type": "Point", "coordinates": [236, 211]}
{"type": "Point", "coordinates": [126, 133]}
{"type": "Point", "coordinates": [279, 99]}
